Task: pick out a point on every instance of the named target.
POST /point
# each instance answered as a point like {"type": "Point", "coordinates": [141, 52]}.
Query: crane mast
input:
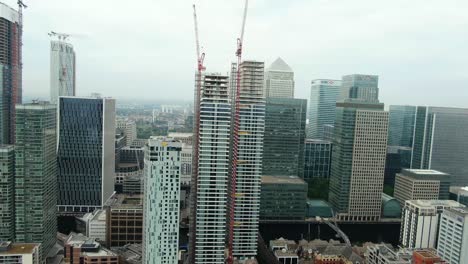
{"type": "Point", "coordinates": [196, 140]}
{"type": "Point", "coordinates": [235, 143]}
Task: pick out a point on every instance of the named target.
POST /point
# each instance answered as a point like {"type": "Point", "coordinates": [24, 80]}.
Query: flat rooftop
{"type": "Point", "coordinates": [282, 180]}
{"type": "Point", "coordinates": [426, 254]}
{"type": "Point", "coordinates": [19, 249]}
{"type": "Point", "coordinates": [425, 172]}
{"type": "Point", "coordinates": [461, 211]}
{"type": "Point", "coordinates": [126, 201]}
{"type": "Point", "coordinates": [434, 203]}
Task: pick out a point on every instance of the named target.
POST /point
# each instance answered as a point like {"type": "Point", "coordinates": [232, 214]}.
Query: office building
{"type": "Point", "coordinates": [161, 201]}
{"type": "Point", "coordinates": [459, 194]}
{"type": "Point", "coordinates": [439, 143]}
{"type": "Point", "coordinates": [322, 103]}
{"type": "Point", "coordinates": [328, 132]}
{"type": "Point", "coordinates": [359, 152]}
{"type": "Point", "coordinates": [398, 158]}
{"type": "Point", "coordinates": [283, 142]}
{"type": "Point", "coordinates": [81, 249]}
{"type": "Point", "coordinates": [386, 254]}
{"type": "Point", "coordinates": [36, 175]}
{"type": "Point", "coordinates": [93, 225]}
{"type": "Point", "coordinates": [128, 127]}
{"type": "Point", "coordinates": [19, 253]}
{"type": "Point", "coordinates": [413, 184]}
{"type": "Point", "coordinates": [249, 164]}
{"type": "Point", "coordinates": [401, 125]}
{"type": "Point", "coordinates": [124, 220]}
{"type": "Point", "coordinates": [317, 159]}
{"type": "Point", "coordinates": [186, 138]}
{"type": "Point", "coordinates": [186, 160]}
{"type": "Point", "coordinates": [209, 189]}
{"type": "Point", "coordinates": [453, 235]}
{"type": "Point", "coordinates": [11, 68]}
{"type": "Point", "coordinates": [360, 88]}
{"type": "Point", "coordinates": [283, 198]}
{"type": "Point", "coordinates": [7, 193]}
{"type": "Point", "coordinates": [86, 153]}
{"type": "Point", "coordinates": [420, 222]}
{"type": "Point", "coordinates": [62, 70]}
{"type": "Point", "coordinates": [279, 80]}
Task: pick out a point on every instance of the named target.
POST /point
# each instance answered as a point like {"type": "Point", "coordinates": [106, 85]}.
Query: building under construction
{"type": "Point", "coordinates": [10, 69]}
{"type": "Point", "coordinates": [62, 67]}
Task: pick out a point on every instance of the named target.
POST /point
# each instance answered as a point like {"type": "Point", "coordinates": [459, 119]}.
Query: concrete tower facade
{"type": "Point", "coordinates": [161, 201]}
{"type": "Point", "coordinates": [11, 71]}
{"type": "Point", "coordinates": [279, 80]}
{"type": "Point", "coordinates": [62, 70]}
{"type": "Point", "coordinates": [359, 153]}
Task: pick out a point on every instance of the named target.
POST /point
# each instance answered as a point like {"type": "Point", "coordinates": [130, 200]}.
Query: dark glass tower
{"type": "Point", "coordinates": [401, 125]}
{"type": "Point", "coordinates": [86, 153]}
{"type": "Point", "coordinates": [283, 143]}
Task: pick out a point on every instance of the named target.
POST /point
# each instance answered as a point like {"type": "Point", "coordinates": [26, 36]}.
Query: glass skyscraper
{"type": "Point", "coordinates": [317, 159]}
{"type": "Point", "coordinates": [322, 105]}
{"type": "Point", "coordinates": [401, 125]}
{"type": "Point", "coordinates": [360, 88]}
{"type": "Point", "coordinates": [441, 142]}
{"type": "Point", "coordinates": [86, 153]}
{"type": "Point", "coordinates": [7, 193]}
{"type": "Point", "coordinates": [36, 175]}
{"type": "Point", "coordinates": [283, 143]}
{"type": "Point", "coordinates": [10, 71]}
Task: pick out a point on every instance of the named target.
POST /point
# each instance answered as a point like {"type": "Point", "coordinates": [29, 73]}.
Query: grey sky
{"type": "Point", "coordinates": [145, 48]}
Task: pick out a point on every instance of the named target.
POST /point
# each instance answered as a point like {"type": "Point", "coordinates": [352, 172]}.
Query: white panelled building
{"type": "Point", "coordinates": [453, 235]}
{"type": "Point", "coordinates": [420, 222]}
{"type": "Point", "coordinates": [161, 201]}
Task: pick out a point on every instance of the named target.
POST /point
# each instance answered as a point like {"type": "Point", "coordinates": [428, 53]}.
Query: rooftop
{"type": "Point", "coordinates": [425, 172]}
{"type": "Point", "coordinates": [126, 201]}
{"type": "Point", "coordinates": [434, 203]}
{"type": "Point", "coordinates": [460, 211]}
{"type": "Point", "coordinates": [177, 134]}
{"type": "Point", "coordinates": [426, 254]}
{"type": "Point", "coordinates": [279, 65]}
{"type": "Point", "coordinates": [282, 180]}
{"type": "Point", "coordinates": [17, 248]}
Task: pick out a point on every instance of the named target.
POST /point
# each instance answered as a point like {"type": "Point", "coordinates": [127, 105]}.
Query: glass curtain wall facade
{"type": "Point", "coordinates": [86, 153]}
{"type": "Point", "coordinates": [317, 159]}
{"type": "Point", "coordinates": [322, 104]}
{"type": "Point", "coordinates": [62, 70]}
{"type": "Point", "coordinates": [401, 125]}
{"type": "Point", "coordinates": [283, 143]}
{"type": "Point", "coordinates": [36, 175]}
{"type": "Point", "coordinates": [7, 193]}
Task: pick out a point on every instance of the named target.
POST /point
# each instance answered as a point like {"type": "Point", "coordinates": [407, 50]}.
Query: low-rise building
{"type": "Point", "coordinates": [19, 253]}
{"type": "Point", "coordinates": [453, 235]}
{"type": "Point", "coordinates": [420, 222]}
{"type": "Point", "coordinates": [124, 220]}
{"type": "Point", "coordinates": [426, 256]}
{"type": "Point", "coordinates": [130, 254]}
{"type": "Point", "coordinates": [391, 208]}
{"type": "Point", "coordinates": [386, 254]}
{"type": "Point", "coordinates": [80, 249]}
{"type": "Point", "coordinates": [94, 225]}
{"type": "Point", "coordinates": [415, 184]}
{"type": "Point", "coordinates": [283, 198]}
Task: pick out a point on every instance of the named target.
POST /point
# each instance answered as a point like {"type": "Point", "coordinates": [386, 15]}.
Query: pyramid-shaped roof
{"type": "Point", "coordinates": [280, 65]}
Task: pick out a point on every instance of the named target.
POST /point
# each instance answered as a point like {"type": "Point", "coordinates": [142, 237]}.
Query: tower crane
{"type": "Point", "coordinates": [60, 36]}
{"type": "Point", "coordinates": [235, 145]}
{"type": "Point", "coordinates": [196, 139]}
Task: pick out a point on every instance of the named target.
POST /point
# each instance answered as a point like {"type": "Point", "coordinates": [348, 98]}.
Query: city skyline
{"type": "Point", "coordinates": [373, 45]}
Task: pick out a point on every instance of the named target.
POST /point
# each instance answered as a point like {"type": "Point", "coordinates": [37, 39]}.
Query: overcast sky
{"type": "Point", "coordinates": [145, 48]}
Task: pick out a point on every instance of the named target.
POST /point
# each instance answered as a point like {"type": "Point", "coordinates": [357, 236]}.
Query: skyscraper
{"type": "Point", "coordinates": [317, 159]}
{"type": "Point", "coordinates": [161, 201]}
{"type": "Point", "coordinates": [209, 190]}
{"type": "Point", "coordinates": [86, 153]}
{"type": "Point", "coordinates": [441, 142]}
{"type": "Point", "coordinates": [62, 70]}
{"type": "Point", "coordinates": [359, 152]}
{"type": "Point", "coordinates": [322, 106]}
{"type": "Point", "coordinates": [279, 80]}
{"type": "Point", "coordinates": [401, 125]}
{"type": "Point", "coordinates": [360, 88]}
{"type": "Point", "coordinates": [7, 193]}
{"type": "Point", "coordinates": [11, 69]}
{"type": "Point", "coordinates": [128, 127]}
{"type": "Point", "coordinates": [36, 175]}
{"type": "Point", "coordinates": [249, 165]}
{"type": "Point", "coordinates": [283, 144]}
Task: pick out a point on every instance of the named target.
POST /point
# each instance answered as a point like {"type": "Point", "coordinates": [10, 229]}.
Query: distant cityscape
{"type": "Point", "coordinates": [245, 173]}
